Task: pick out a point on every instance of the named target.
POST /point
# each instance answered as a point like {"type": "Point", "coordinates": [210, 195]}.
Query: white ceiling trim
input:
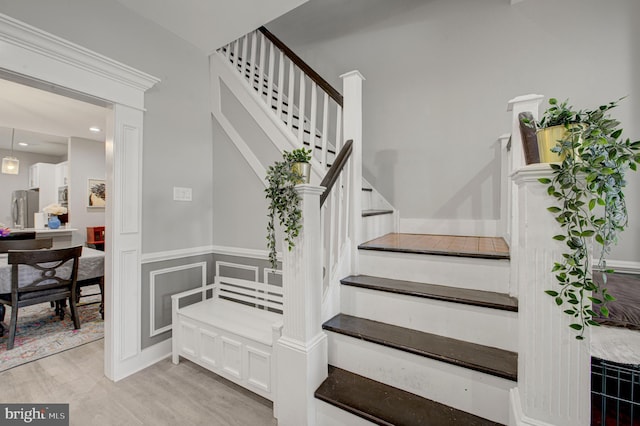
{"type": "Point", "coordinates": [16, 37]}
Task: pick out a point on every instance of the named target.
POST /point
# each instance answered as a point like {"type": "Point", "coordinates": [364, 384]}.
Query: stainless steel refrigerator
{"type": "Point", "coordinates": [24, 203]}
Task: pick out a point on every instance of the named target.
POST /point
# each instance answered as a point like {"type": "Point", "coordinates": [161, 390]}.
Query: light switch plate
{"type": "Point", "coordinates": [181, 194]}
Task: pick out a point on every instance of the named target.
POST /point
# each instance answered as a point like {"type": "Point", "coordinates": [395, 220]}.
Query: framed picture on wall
{"type": "Point", "coordinates": [96, 193]}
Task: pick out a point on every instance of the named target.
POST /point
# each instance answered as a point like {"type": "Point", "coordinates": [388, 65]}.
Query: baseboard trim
{"type": "Point", "coordinates": [624, 266]}
{"type": "Point", "coordinates": [480, 228]}
{"type": "Point", "coordinates": [146, 358]}
{"type": "Point", "coordinates": [516, 416]}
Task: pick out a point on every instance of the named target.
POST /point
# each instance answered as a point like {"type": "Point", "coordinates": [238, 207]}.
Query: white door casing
{"type": "Point", "coordinates": [30, 52]}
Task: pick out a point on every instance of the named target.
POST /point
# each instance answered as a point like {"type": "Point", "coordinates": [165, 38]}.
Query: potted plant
{"type": "Point", "coordinates": [300, 163]}
{"type": "Point", "coordinates": [590, 205]}
{"type": "Point", "coordinates": [559, 122]}
{"type": "Point", "coordinates": [284, 201]}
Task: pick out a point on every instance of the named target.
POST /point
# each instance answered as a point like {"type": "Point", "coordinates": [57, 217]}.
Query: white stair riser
{"type": "Point", "coordinates": [330, 415]}
{"type": "Point", "coordinates": [464, 272]}
{"type": "Point", "coordinates": [477, 393]}
{"type": "Point", "coordinates": [377, 226]}
{"type": "Point", "coordinates": [459, 321]}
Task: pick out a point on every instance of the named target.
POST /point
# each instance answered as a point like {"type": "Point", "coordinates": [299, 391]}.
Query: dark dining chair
{"type": "Point", "coordinates": [39, 276]}
{"type": "Point", "coordinates": [34, 244]}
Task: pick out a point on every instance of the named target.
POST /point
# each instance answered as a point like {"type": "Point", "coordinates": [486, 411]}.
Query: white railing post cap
{"type": "Point", "coordinates": [523, 98]}
{"type": "Point", "coordinates": [354, 73]}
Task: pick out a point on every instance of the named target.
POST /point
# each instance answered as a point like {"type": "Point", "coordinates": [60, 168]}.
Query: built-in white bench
{"type": "Point", "coordinates": [231, 333]}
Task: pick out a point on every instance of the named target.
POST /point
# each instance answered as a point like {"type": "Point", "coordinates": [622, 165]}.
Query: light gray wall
{"type": "Point", "coordinates": [86, 161]}
{"type": "Point", "coordinates": [439, 74]}
{"type": "Point", "coordinates": [177, 131]}
{"type": "Point", "coordinates": [240, 210]}
{"type": "Point", "coordinates": [10, 183]}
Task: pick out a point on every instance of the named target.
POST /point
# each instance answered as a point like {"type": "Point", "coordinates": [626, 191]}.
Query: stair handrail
{"type": "Point", "coordinates": [310, 72]}
{"type": "Point", "coordinates": [336, 168]}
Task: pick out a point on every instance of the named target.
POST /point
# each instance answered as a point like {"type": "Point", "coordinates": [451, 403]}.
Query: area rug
{"type": "Point", "coordinates": [41, 333]}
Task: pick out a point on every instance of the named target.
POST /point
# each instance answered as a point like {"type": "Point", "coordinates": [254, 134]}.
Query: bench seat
{"type": "Point", "coordinates": [232, 338]}
{"type": "Point", "coordinates": [245, 321]}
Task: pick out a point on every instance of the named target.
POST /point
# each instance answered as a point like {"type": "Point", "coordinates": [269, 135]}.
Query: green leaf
{"type": "Point", "coordinates": [576, 326]}
{"type": "Point", "coordinates": [559, 237]}
{"type": "Point", "coordinates": [554, 209]}
{"type": "Point", "coordinates": [544, 180]}
{"type": "Point", "coordinates": [551, 293]}
{"type": "Point", "coordinates": [604, 311]}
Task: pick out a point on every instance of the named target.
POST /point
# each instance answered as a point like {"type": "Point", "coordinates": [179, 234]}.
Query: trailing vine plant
{"type": "Point", "coordinates": [284, 201]}
{"type": "Point", "coordinates": [590, 205]}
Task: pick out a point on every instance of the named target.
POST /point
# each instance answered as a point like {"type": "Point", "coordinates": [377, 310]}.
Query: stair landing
{"type": "Point", "coordinates": [447, 245]}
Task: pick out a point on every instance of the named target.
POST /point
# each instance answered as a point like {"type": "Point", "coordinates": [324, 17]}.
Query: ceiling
{"type": "Point", "coordinates": [45, 120]}
{"type": "Point", "coordinates": [210, 24]}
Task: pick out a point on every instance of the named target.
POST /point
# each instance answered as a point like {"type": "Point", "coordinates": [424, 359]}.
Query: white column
{"type": "Point", "coordinates": [302, 350]}
{"type": "Point", "coordinates": [352, 119]}
{"type": "Point", "coordinates": [519, 104]}
{"type": "Point", "coordinates": [553, 367]}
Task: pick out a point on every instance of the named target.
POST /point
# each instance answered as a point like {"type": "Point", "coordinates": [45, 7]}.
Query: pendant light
{"type": "Point", "coordinates": [11, 165]}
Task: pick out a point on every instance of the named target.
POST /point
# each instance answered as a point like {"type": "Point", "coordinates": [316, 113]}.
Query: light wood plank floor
{"type": "Point", "coordinates": [163, 394]}
{"type": "Point", "coordinates": [441, 244]}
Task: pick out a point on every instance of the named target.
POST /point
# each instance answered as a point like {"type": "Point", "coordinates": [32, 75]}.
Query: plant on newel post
{"type": "Point", "coordinates": [588, 186]}
{"type": "Point", "coordinates": [284, 201]}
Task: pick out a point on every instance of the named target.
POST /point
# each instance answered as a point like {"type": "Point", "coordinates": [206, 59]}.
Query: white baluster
{"type": "Point", "coordinates": [227, 52]}
{"type": "Point", "coordinates": [312, 117]}
{"type": "Point", "coordinates": [243, 60]}
{"type": "Point", "coordinates": [301, 109]}
{"type": "Point", "coordinates": [263, 47]}
{"type": "Point", "coordinates": [272, 61]}
{"type": "Point", "coordinates": [290, 95]}
{"type": "Point", "coordinates": [280, 84]}
{"type": "Point", "coordinates": [325, 129]}
{"type": "Point", "coordinates": [236, 54]}
{"type": "Point", "coordinates": [252, 65]}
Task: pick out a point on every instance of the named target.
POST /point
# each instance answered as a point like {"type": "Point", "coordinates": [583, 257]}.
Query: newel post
{"type": "Point", "coordinates": [302, 350]}
{"type": "Point", "coordinates": [525, 103]}
{"type": "Point", "coordinates": [553, 367]}
{"type": "Point", "coordinates": [352, 128]}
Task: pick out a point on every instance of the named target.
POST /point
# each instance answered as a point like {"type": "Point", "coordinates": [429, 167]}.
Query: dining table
{"type": "Point", "coordinates": [90, 270]}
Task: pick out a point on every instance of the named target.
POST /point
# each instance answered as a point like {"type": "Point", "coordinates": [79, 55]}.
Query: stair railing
{"type": "Point", "coordinates": [307, 104]}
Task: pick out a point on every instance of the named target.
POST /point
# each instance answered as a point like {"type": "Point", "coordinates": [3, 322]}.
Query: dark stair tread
{"type": "Point", "coordinates": [485, 299]}
{"type": "Point", "coordinates": [375, 212]}
{"type": "Point", "coordinates": [386, 405]}
{"type": "Point", "coordinates": [485, 359]}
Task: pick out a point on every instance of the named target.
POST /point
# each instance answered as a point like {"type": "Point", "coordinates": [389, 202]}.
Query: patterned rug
{"type": "Point", "coordinates": [40, 332]}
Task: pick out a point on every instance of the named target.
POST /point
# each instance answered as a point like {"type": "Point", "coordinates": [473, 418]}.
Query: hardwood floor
{"type": "Point", "coordinates": [452, 245]}
{"type": "Point", "coordinates": [163, 394]}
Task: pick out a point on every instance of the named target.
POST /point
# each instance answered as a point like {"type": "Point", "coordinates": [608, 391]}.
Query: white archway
{"type": "Point", "coordinates": [30, 52]}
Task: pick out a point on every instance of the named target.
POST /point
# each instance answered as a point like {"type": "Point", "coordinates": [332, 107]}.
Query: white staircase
{"type": "Point", "coordinates": [446, 335]}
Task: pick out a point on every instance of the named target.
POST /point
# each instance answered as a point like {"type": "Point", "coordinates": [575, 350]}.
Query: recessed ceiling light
{"type": "Point", "coordinates": [95, 129]}
{"type": "Point", "coordinates": [23, 144]}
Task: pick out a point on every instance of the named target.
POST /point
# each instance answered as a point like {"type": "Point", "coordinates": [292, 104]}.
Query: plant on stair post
{"type": "Point", "coordinates": [284, 201]}
{"type": "Point", "coordinates": [587, 185]}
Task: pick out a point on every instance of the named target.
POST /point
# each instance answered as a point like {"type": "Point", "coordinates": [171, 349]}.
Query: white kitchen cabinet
{"type": "Point", "coordinates": [42, 176]}
{"type": "Point", "coordinates": [62, 174]}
